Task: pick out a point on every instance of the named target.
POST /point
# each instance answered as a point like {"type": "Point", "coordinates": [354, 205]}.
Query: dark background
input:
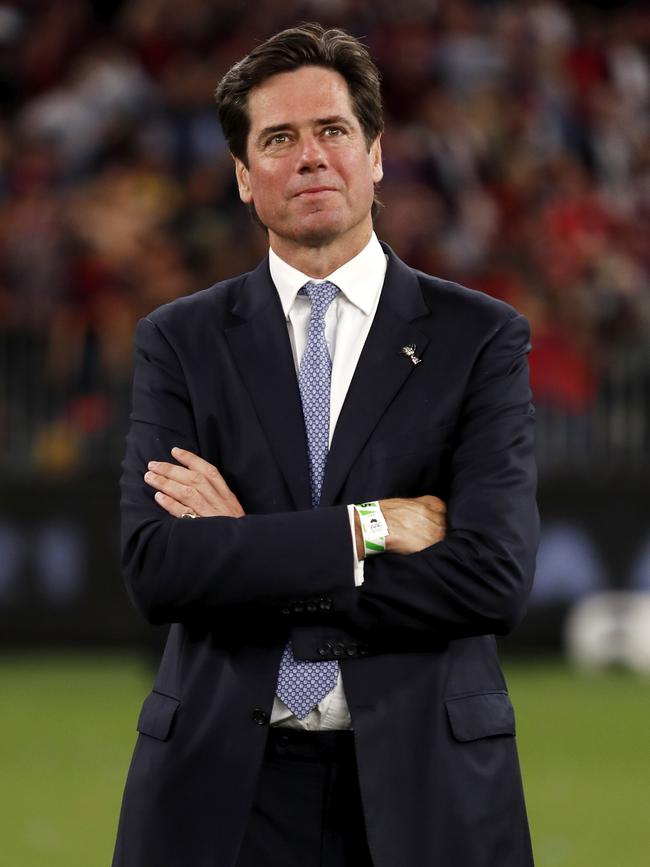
{"type": "Point", "coordinates": [517, 161]}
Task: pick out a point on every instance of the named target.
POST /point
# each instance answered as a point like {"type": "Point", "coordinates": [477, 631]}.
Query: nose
{"type": "Point", "coordinates": [312, 155]}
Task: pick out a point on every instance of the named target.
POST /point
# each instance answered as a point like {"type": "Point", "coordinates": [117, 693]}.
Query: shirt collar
{"type": "Point", "coordinates": [360, 279]}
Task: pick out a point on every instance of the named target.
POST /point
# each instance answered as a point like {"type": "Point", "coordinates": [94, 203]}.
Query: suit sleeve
{"type": "Point", "coordinates": [177, 570]}
{"type": "Point", "coordinates": [477, 580]}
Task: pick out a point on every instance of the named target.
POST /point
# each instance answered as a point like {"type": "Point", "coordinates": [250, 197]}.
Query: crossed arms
{"type": "Point", "coordinates": [196, 486]}
{"type": "Point", "coordinates": [469, 578]}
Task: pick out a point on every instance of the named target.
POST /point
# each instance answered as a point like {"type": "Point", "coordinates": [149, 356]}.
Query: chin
{"type": "Point", "coordinates": [317, 238]}
{"type": "Point", "coordinates": [319, 228]}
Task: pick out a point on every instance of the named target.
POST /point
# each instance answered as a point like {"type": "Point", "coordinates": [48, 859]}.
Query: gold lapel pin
{"type": "Point", "coordinates": [409, 352]}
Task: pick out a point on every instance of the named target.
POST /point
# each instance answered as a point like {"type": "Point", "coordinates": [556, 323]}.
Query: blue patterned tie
{"type": "Point", "coordinates": [301, 683]}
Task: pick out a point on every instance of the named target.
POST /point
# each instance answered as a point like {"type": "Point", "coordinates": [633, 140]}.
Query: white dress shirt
{"type": "Point", "coordinates": [347, 324]}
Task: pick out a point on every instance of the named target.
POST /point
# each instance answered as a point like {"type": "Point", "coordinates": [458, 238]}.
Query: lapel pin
{"type": "Point", "coordinates": [409, 352]}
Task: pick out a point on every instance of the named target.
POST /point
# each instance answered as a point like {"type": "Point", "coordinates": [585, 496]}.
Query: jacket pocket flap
{"type": "Point", "coordinates": [482, 715]}
{"type": "Point", "coordinates": [157, 715]}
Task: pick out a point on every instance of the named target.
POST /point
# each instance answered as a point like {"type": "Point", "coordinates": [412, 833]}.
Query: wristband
{"type": "Point", "coordinates": [374, 528]}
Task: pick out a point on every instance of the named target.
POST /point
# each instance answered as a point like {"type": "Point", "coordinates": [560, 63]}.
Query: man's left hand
{"type": "Point", "coordinates": [196, 487]}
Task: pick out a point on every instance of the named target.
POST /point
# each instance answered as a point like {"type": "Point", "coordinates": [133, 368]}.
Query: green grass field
{"type": "Point", "coordinates": [67, 730]}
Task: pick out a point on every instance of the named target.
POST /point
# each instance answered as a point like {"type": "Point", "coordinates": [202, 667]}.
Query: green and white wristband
{"type": "Point", "coordinates": [374, 528]}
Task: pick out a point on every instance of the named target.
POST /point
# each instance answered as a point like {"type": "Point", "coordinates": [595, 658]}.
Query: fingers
{"type": "Point", "coordinates": [436, 509]}
{"type": "Point", "coordinates": [188, 497]}
{"type": "Point", "coordinates": [171, 505]}
{"type": "Point", "coordinates": [223, 499]}
{"type": "Point", "coordinates": [201, 468]}
{"type": "Point", "coordinates": [414, 523]}
{"type": "Point", "coordinates": [196, 485]}
{"type": "Point", "coordinates": [194, 470]}
{"type": "Point", "coordinates": [434, 503]}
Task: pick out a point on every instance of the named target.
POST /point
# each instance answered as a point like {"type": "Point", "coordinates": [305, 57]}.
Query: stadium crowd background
{"type": "Point", "coordinates": [517, 161]}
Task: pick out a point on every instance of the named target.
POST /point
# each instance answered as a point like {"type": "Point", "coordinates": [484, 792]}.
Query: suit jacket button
{"type": "Point", "coordinates": [260, 717]}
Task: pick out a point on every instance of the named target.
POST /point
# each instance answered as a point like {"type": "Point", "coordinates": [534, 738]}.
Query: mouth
{"type": "Point", "coordinates": [315, 191]}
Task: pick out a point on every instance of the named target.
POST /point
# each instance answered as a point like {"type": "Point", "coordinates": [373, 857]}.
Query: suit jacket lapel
{"type": "Point", "coordinates": [260, 345]}
{"type": "Point", "coordinates": [381, 372]}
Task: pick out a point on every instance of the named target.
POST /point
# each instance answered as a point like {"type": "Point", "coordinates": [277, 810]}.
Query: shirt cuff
{"type": "Point", "coordinates": [358, 564]}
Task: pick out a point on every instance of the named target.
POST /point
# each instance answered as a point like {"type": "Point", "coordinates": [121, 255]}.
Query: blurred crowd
{"type": "Point", "coordinates": [516, 161]}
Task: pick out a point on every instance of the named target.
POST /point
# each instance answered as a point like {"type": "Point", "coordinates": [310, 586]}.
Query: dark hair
{"type": "Point", "coordinates": [307, 45]}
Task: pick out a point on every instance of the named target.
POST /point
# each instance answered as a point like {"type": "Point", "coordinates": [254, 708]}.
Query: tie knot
{"type": "Point", "coordinates": [321, 295]}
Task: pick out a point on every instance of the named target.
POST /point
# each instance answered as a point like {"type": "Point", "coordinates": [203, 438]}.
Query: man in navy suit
{"type": "Point", "coordinates": [329, 493]}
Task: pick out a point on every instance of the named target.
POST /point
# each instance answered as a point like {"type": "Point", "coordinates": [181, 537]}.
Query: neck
{"type": "Point", "coordinates": [320, 260]}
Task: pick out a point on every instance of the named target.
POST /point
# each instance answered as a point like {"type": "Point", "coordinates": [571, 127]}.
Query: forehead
{"type": "Point", "coordinates": [299, 96]}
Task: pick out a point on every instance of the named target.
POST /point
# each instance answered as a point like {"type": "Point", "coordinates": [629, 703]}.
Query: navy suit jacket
{"type": "Point", "coordinates": [433, 724]}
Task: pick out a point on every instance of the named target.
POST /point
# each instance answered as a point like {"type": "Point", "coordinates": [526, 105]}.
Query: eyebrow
{"type": "Point", "coordinates": [317, 121]}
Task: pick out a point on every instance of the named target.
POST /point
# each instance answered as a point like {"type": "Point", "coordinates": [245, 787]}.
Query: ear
{"type": "Point", "coordinates": [375, 159]}
{"type": "Point", "coordinates": [243, 181]}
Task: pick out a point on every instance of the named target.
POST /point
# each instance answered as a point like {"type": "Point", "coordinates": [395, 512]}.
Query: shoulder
{"type": "Point", "coordinates": [455, 299]}
{"type": "Point", "coordinates": [475, 318]}
{"type": "Point", "coordinates": [211, 304]}
{"type": "Point", "coordinates": [483, 325]}
{"type": "Point", "coordinates": [459, 308]}
{"type": "Point", "coordinates": [189, 322]}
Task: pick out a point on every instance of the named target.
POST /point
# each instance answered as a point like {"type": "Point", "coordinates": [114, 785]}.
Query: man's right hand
{"type": "Point", "coordinates": [413, 524]}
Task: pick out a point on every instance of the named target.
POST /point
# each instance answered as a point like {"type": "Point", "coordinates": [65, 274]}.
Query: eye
{"type": "Point", "coordinates": [333, 131]}
{"type": "Point", "coordinates": [279, 138]}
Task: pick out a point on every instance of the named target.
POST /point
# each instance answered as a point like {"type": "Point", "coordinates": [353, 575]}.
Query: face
{"type": "Point", "coordinates": [310, 175]}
